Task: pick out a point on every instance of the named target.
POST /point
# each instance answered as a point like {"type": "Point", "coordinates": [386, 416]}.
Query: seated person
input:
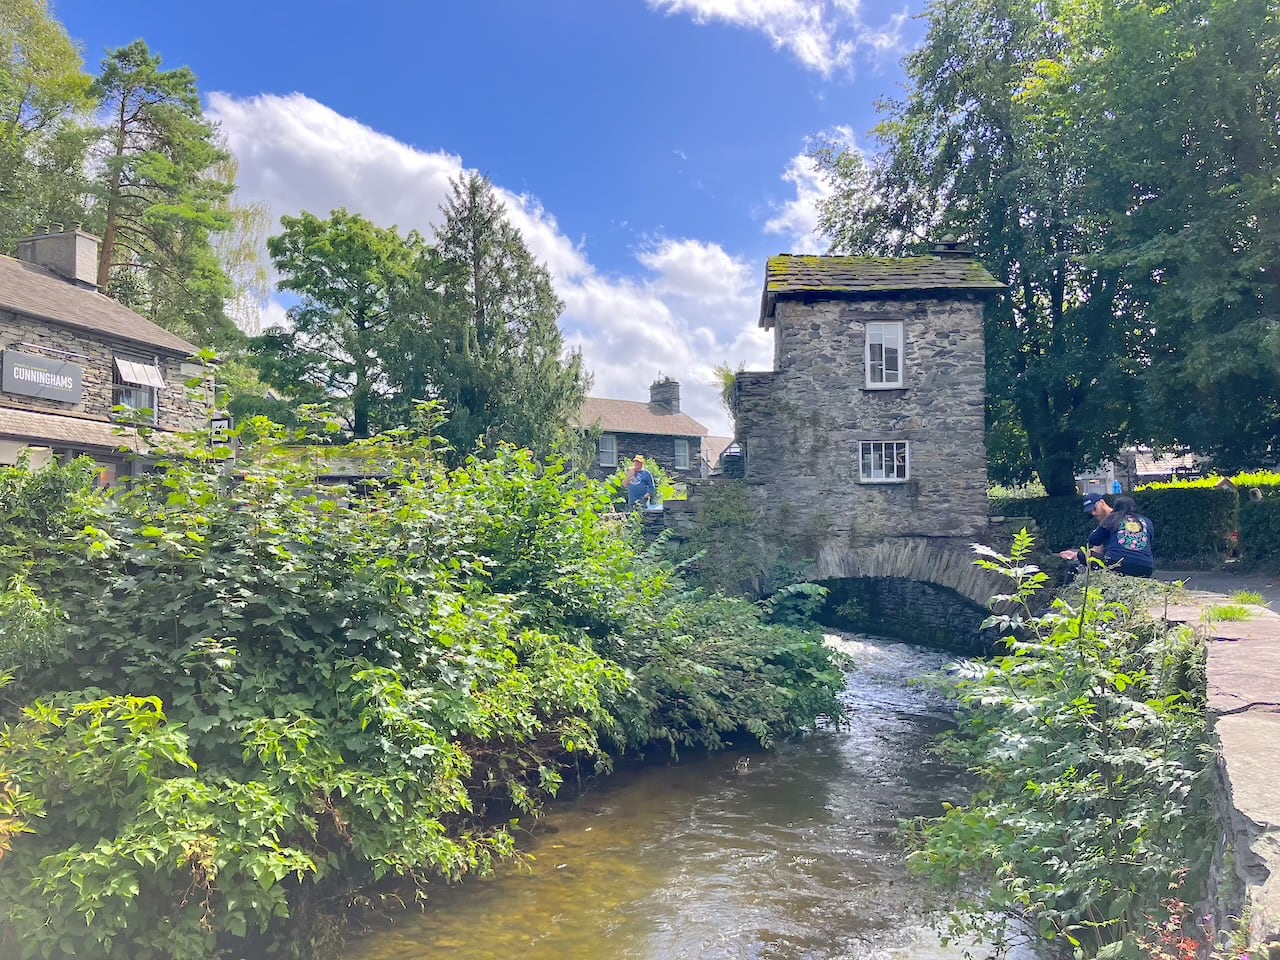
{"type": "Point", "coordinates": [1123, 537]}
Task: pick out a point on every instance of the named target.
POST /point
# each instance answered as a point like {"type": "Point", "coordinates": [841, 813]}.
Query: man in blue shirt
{"type": "Point", "coordinates": [1123, 537]}
{"type": "Point", "coordinates": [639, 483]}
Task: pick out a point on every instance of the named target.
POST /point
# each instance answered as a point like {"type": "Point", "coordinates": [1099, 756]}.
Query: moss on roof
{"type": "Point", "coordinates": [796, 274]}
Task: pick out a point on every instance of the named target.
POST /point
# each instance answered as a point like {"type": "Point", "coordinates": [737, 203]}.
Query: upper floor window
{"type": "Point", "coordinates": [608, 448]}
{"type": "Point", "coordinates": [884, 354]}
{"type": "Point", "coordinates": [884, 461]}
{"type": "Point", "coordinates": [682, 455]}
{"type": "Point", "coordinates": [137, 385]}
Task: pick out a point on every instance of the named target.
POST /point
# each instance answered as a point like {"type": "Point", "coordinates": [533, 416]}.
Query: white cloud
{"type": "Point", "coordinates": [823, 35]}
{"type": "Point", "coordinates": [689, 306]}
{"type": "Point", "coordinates": [796, 219]}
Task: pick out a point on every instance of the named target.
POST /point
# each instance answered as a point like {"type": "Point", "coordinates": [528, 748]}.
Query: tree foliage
{"type": "Point", "coordinates": [351, 276]}
{"type": "Point", "coordinates": [44, 96]}
{"type": "Point", "coordinates": [1070, 143]}
{"type": "Point", "coordinates": [159, 196]}
{"type": "Point", "coordinates": [491, 349]}
{"type": "Point", "coordinates": [260, 700]}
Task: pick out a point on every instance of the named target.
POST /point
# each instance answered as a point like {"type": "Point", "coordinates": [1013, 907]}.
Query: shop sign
{"type": "Point", "coordinates": [44, 377]}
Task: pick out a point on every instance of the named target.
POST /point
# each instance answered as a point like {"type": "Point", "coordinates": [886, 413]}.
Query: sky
{"type": "Point", "coordinates": [653, 153]}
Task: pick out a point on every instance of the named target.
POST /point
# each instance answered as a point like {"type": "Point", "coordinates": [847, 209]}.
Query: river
{"type": "Point", "coordinates": [794, 858]}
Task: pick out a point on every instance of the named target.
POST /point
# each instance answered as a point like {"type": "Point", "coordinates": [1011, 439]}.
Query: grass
{"type": "Point", "coordinates": [1248, 596]}
{"type": "Point", "coordinates": [1227, 611]}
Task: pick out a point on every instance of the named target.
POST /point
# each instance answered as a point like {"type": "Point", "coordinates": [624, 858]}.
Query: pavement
{"type": "Point", "coordinates": [1243, 671]}
{"type": "Point", "coordinates": [1226, 582]}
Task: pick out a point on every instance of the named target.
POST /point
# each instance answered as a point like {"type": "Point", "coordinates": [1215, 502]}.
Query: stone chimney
{"type": "Point", "coordinates": [71, 254]}
{"type": "Point", "coordinates": [664, 396]}
{"type": "Point", "coordinates": [950, 247]}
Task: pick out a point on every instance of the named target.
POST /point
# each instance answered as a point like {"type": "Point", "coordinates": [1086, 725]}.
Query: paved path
{"type": "Point", "coordinates": [1244, 709]}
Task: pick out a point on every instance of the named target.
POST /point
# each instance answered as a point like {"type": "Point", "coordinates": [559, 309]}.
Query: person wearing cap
{"type": "Point", "coordinates": [1123, 537]}
{"type": "Point", "coordinates": [639, 483]}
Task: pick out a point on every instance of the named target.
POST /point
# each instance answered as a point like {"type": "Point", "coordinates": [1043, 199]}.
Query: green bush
{"type": "Point", "coordinates": [1260, 528]}
{"type": "Point", "coordinates": [1090, 745]}
{"type": "Point", "coordinates": [257, 698]}
{"type": "Point", "coordinates": [1194, 525]}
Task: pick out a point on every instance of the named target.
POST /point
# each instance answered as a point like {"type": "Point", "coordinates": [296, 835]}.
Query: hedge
{"type": "Point", "coordinates": [1194, 525]}
{"type": "Point", "coordinates": [1260, 528]}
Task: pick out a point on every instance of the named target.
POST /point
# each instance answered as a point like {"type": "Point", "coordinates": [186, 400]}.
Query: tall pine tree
{"type": "Point", "coordinates": [160, 197]}
{"type": "Point", "coordinates": [488, 340]}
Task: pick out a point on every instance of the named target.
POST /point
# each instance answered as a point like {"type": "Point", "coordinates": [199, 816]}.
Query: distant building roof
{"type": "Point", "coordinates": [1148, 463]}
{"type": "Point", "coordinates": [799, 275]}
{"type": "Point", "coordinates": [637, 416]}
{"type": "Point", "coordinates": [39, 293]}
{"type": "Point", "coordinates": [712, 447]}
{"type": "Point", "coordinates": [56, 429]}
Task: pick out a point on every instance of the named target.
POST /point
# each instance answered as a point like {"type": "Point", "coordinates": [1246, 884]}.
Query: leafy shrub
{"type": "Point", "coordinates": [257, 698]}
{"type": "Point", "coordinates": [1088, 739]}
{"type": "Point", "coordinates": [1260, 529]}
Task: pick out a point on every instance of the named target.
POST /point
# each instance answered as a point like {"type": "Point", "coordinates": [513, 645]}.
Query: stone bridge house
{"type": "Point", "coordinates": [864, 450]}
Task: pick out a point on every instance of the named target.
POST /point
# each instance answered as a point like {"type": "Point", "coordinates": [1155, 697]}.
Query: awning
{"type": "Point", "coordinates": [140, 374]}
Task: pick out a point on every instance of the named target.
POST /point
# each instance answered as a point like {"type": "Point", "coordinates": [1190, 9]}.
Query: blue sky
{"type": "Point", "coordinates": [652, 151]}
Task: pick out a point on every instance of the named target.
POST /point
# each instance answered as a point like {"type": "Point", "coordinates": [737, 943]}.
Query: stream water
{"type": "Point", "coordinates": [794, 859]}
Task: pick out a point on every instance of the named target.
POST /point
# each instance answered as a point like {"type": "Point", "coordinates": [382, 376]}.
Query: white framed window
{"type": "Point", "coordinates": [682, 455]}
{"type": "Point", "coordinates": [884, 354]}
{"type": "Point", "coordinates": [136, 384]}
{"type": "Point", "coordinates": [884, 461]}
{"type": "Point", "coordinates": [608, 449]}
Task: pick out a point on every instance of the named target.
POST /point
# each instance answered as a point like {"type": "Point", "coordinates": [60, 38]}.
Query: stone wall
{"type": "Point", "coordinates": [659, 448]}
{"type": "Point", "coordinates": [177, 407]}
{"type": "Point", "coordinates": [801, 426]}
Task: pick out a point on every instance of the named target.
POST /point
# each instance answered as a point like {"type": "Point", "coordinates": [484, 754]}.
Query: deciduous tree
{"type": "Point", "coordinates": [350, 276]}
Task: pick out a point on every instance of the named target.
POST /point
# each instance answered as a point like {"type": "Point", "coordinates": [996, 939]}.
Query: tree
{"type": "Point", "coordinates": [43, 92]}
{"type": "Point", "coordinates": [1070, 142]}
{"type": "Point", "coordinates": [967, 153]}
{"type": "Point", "coordinates": [487, 339]}
{"type": "Point", "coordinates": [160, 196]}
{"type": "Point", "coordinates": [1185, 98]}
{"type": "Point", "coordinates": [350, 275]}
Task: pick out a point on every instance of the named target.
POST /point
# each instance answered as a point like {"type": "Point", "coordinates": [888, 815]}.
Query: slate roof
{"type": "Point", "coordinates": [798, 275]}
{"type": "Point", "coordinates": [712, 447]}
{"type": "Point", "coordinates": [635, 416]}
{"type": "Point", "coordinates": [52, 428]}
{"type": "Point", "coordinates": [41, 294]}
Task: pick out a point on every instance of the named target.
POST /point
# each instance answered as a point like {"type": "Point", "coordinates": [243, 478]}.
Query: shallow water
{"type": "Point", "coordinates": [795, 859]}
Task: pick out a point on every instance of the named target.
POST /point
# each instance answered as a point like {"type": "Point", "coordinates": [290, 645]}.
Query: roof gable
{"type": "Point", "coordinates": [42, 295]}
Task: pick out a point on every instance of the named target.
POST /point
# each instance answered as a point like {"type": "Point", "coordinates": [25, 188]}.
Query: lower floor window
{"type": "Point", "coordinates": [608, 450]}
{"type": "Point", "coordinates": [884, 461]}
{"type": "Point", "coordinates": [682, 455]}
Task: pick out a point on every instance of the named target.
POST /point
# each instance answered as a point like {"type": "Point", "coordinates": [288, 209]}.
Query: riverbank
{"type": "Point", "coordinates": [1243, 703]}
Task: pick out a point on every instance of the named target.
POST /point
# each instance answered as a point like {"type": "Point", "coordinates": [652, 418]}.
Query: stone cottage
{"type": "Point", "coordinates": [657, 430]}
{"type": "Point", "coordinates": [71, 356]}
{"type": "Point", "coordinates": [870, 428]}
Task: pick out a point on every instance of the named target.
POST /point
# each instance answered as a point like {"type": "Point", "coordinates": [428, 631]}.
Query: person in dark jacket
{"type": "Point", "coordinates": [1123, 537]}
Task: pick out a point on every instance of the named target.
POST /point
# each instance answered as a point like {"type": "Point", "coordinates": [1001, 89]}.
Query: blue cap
{"type": "Point", "coordinates": [1090, 500]}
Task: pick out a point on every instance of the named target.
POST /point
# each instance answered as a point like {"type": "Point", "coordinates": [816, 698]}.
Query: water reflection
{"type": "Point", "coordinates": [793, 859]}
